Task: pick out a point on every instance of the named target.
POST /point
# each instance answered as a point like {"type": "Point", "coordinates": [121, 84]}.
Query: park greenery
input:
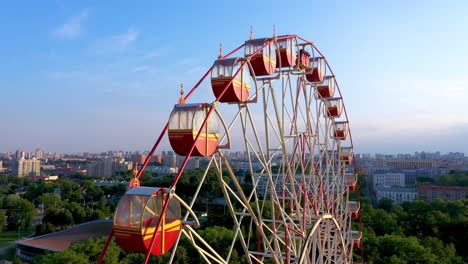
{"type": "Point", "coordinates": [416, 232]}
{"type": "Point", "coordinates": [454, 178]}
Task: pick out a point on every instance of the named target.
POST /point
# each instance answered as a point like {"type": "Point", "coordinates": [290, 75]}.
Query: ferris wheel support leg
{"type": "Point", "coordinates": [247, 205]}
{"type": "Point", "coordinates": [104, 250]}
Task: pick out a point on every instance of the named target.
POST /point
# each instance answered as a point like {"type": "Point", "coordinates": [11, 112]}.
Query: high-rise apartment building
{"type": "Point", "coordinates": [169, 159]}
{"type": "Point", "coordinates": [157, 158]}
{"type": "Point", "coordinates": [39, 153]}
{"type": "Point", "coordinates": [100, 168]}
{"type": "Point", "coordinates": [140, 158]}
{"type": "Point", "coordinates": [193, 163]}
{"type": "Point", "coordinates": [57, 156]}
{"type": "Point", "coordinates": [20, 154]}
{"type": "Point", "coordinates": [30, 167]}
{"type": "Point", "coordinates": [107, 167]}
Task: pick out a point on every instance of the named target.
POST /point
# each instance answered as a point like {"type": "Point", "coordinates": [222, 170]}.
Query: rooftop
{"type": "Point", "coordinates": [395, 189]}
{"type": "Point", "coordinates": [62, 240]}
{"type": "Point", "coordinates": [445, 188]}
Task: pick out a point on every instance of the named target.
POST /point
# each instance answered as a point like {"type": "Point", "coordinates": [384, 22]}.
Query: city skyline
{"type": "Point", "coordinates": [109, 152]}
{"type": "Point", "coordinates": [101, 80]}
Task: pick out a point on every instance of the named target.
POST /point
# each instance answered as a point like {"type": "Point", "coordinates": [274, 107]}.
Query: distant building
{"type": "Point", "coordinates": [48, 167]}
{"type": "Point", "coordinates": [388, 179]}
{"type": "Point", "coordinates": [193, 163]}
{"type": "Point", "coordinates": [397, 195]}
{"type": "Point", "coordinates": [64, 171]}
{"type": "Point", "coordinates": [169, 159]}
{"type": "Point", "coordinates": [106, 167]}
{"type": "Point", "coordinates": [1, 166]}
{"type": "Point", "coordinates": [30, 167]}
{"type": "Point", "coordinates": [56, 156]}
{"type": "Point", "coordinates": [162, 170]}
{"type": "Point", "coordinates": [140, 158]}
{"type": "Point", "coordinates": [45, 178]}
{"type": "Point", "coordinates": [109, 183]}
{"type": "Point", "coordinates": [408, 163]}
{"type": "Point", "coordinates": [20, 154]}
{"type": "Point", "coordinates": [156, 158]}
{"type": "Point", "coordinates": [410, 174]}
{"type": "Point", "coordinates": [40, 153]}
{"type": "Point", "coordinates": [448, 193]}
{"type": "Point", "coordinates": [100, 168]}
{"type": "Point", "coordinates": [122, 165]}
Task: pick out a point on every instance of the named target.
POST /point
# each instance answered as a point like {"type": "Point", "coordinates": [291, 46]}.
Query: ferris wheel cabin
{"type": "Point", "coordinates": [286, 55]}
{"type": "Point", "coordinates": [350, 180]}
{"type": "Point", "coordinates": [356, 236]}
{"type": "Point", "coordinates": [264, 62]}
{"type": "Point", "coordinates": [354, 209]}
{"type": "Point", "coordinates": [137, 215]}
{"type": "Point", "coordinates": [341, 130]}
{"type": "Point", "coordinates": [346, 155]}
{"type": "Point", "coordinates": [303, 60]}
{"type": "Point", "coordinates": [326, 89]}
{"type": "Point", "coordinates": [222, 73]}
{"type": "Point", "coordinates": [334, 107]}
{"type": "Point", "coordinates": [185, 123]}
{"type": "Point", "coordinates": [316, 73]}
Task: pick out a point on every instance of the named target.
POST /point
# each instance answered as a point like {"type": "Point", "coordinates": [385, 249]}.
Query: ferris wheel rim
{"type": "Point", "coordinates": [247, 61]}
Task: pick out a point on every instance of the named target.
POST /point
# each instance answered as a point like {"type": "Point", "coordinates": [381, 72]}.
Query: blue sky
{"type": "Point", "coordinates": [98, 75]}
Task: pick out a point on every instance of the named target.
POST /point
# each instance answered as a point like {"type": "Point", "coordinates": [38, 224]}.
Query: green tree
{"type": "Point", "coordinates": [219, 237]}
{"type": "Point", "coordinates": [397, 249]}
{"type": "Point", "coordinates": [20, 212]}
{"type": "Point", "coordinates": [44, 228]}
{"type": "Point", "coordinates": [50, 201]}
{"type": "Point", "coordinates": [67, 256]}
{"type": "Point", "coordinates": [78, 212]}
{"type": "Point", "coordinates": [3, 220]}
{"type": "Point", "coordinates": [386, 204]}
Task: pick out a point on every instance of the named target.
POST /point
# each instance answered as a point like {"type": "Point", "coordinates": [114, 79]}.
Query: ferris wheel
{"type": "Point", "coordinates": [275, 102]}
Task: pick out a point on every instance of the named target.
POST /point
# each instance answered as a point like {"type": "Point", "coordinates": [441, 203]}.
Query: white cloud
{"type": "Point", "coordinates": [116, 43]}
{"type": "Point", "coordinates": [123, 40]}
{"type": "Point", "coordinates": [73, 28]}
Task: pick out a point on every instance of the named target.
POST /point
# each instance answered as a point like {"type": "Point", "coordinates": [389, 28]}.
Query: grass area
{"type": "Point", "coordinates": [8, 236]}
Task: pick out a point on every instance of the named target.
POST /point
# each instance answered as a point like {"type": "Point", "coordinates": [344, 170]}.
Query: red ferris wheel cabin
{"type": "Point", "coordinates": [356, 236]}
{"type": "Point", "coordinates": [264, 62]}
{"type": "Point", "coordinates": [354, 209]}
{"type": "Point", "coordinates": [137, 215]}
{"type": "Point", "coordinates": [304, 60]}
{"type": "Point", "coordinates": [326, 89]}
{"type": "Point", "coordinates": [223, 72]}
{"type": "Point", "coordinates": [346, 155]}
{"type": "Point", "coordinates": [341, 130]}
{"type": "Point", "coordinates": [350, 180]}
{"type": "Point", "coordinates": [286, 56]}
{"type": "Point", "coordinates": [316, 73]}
{"type": "Point", "coordinates": [185, 123]}
{"type": "Point", "coordinates": [334, 107]}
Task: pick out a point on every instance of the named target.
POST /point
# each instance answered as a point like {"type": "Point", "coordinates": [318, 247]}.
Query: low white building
{"type": "Point", "coordinates": [388, 179]}
{"type": "Point", "coordinates": [162, 170]}
{"type": "Point", "coordinates": [397, 195]}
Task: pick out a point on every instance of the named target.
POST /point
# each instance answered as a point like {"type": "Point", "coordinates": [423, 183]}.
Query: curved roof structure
{"type": "Point", "coordinates": [62, 240]}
